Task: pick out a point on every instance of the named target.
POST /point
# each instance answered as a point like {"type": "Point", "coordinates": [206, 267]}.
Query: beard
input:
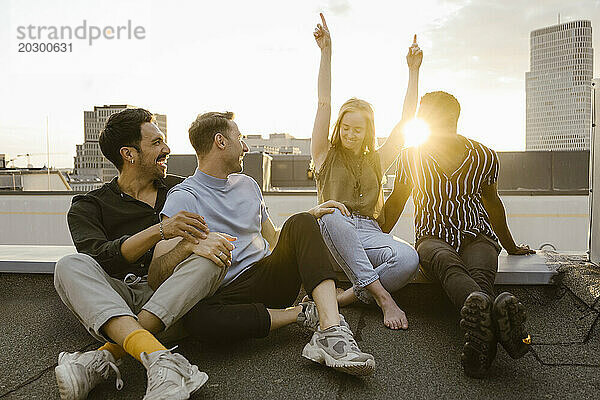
{"type": "Point", "coordinates": [238, 167]}
{"type": "Point", "coordinates": [150, 167]}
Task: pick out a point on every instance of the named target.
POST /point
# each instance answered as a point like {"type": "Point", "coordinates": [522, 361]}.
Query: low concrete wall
{"type": "Point", "coordinates": [40, 219]}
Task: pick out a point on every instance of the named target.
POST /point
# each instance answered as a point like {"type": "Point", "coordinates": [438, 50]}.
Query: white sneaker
{"type": "Point", "coordinates": [336, 348]}
{"type": "Point", "coordinates": [171, 376]}
{"type": "Point", "coordinates": [78, 373]}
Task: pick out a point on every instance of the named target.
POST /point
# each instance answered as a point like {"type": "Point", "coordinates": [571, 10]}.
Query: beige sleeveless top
{"type": "Point", "coordinates": [354, 180]}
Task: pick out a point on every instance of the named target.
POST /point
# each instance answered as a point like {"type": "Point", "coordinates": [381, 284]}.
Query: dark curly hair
{"type": "Point", "coordinates": [439, 107]}
{"type": "Point", "coordinates": [123, 129]}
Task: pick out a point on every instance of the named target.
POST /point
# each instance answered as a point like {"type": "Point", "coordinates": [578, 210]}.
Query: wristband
{"type": "Point", "coordinates": [162, 233]}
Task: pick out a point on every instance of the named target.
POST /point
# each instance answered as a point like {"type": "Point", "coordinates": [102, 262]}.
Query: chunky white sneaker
{"type": "Point", "coordinates": [171, 376]}
{"type": "Point", "coordinates": [78, 373]}
{"type": "Point", "coordinates": [336, 348]}
{"type": "Point", "coordinates": [309, 317]}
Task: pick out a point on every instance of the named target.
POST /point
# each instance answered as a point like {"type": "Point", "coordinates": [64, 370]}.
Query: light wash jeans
{"type": "Point", "coordinates": [366, 254]}
{"type": "Point", "coordinates": [95, 297]}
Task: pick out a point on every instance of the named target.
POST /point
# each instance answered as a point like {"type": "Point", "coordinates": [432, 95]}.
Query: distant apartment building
{"type": "Point", "coordinates": [2, 161]}
{"type": "Point", "coordinates": [558, 87]}
{"type": "Point", "coordinates": [278, 143]}
{"type": "Point", "coordinates": [91, 169]}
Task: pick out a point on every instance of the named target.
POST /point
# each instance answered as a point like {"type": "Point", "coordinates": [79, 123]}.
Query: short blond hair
{"type": "Point", "coordinates": [203, 130]}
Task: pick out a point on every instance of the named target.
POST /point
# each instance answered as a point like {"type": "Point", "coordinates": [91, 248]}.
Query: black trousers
{"type": "Point", "coordinates": [239, 310]}
{"type": "Point", "coordinates": [471, 269]}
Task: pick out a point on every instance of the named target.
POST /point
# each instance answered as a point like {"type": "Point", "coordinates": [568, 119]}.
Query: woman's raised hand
{"type": "Point", "coordinates": [414, 56]}
{"type": "Point", "coordinates": [321, 34]}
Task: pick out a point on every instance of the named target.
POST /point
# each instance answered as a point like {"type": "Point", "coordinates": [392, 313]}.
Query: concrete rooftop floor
{"type": "Point", "coordinates": [420, 363]}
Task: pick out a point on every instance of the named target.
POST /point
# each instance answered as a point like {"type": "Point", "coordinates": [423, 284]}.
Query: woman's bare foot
{"type": "Point", "coordinates": [393, 316]}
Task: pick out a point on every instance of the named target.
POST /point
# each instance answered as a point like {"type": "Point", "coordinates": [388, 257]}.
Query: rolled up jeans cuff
{"type": "Point", "coordinates": [363, 294]}
{"type": "Point", "coordinates": [368, 281]}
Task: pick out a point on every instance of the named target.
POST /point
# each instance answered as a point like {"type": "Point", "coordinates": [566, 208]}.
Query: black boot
{"type": "Point", "coordinates": [480, 345]}
{"type": "Point", "coordinates": [509, 317]}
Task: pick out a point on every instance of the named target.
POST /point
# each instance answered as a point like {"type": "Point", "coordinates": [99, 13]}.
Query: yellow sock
{"type": "Point", "coordinates": [139, 341]}
{"type": "Point", "coordinates": [114, 349]}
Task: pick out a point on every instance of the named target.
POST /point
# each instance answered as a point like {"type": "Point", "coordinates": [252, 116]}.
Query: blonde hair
{"type": "Point", "coordinates": [364, 108]}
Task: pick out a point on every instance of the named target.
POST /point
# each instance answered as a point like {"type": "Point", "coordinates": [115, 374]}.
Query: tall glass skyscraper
{"type": "Point", "coordinates": [558, 87]}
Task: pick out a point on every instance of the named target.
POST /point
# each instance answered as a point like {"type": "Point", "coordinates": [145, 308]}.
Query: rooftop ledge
{"type": "Point", "coordinates": [536, 269]}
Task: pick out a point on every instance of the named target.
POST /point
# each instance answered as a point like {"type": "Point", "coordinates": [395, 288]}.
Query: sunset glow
{"type": "Point", "coordinates": [416, 132]}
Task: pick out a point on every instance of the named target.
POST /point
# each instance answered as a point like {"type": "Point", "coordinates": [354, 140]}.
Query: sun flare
{"type": "Point", "coordinates": [416, 132]}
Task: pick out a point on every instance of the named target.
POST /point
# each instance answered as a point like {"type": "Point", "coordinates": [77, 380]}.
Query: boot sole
{"type": "Point", "coordinates": [350, 367]}
{"type": "Point", "coordinates": [476, 312]}
{"type": "Point", "coordinates": [510, 317]}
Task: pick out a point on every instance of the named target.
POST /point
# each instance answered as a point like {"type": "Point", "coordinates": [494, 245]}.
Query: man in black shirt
{"type": "Point", "coordinates": [458, 214]}
{"type": "Point", "coordinates": [115, 229]}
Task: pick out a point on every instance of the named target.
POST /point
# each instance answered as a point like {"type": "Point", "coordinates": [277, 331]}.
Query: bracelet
{"type": "Point", "coordinates": [162, 233]}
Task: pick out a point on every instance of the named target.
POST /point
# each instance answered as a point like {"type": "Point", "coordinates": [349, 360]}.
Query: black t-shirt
{"type": "Point", "coordinates": [101, 220]}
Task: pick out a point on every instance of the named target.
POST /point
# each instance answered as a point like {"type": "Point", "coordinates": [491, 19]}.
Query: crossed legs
{"type": "Point", "coordinates": [257, 301]}
{"type": "Point", "coordinates": [110, 310]}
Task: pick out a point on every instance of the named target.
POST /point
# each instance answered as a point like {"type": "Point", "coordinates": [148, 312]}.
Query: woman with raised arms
{"type": "Point", "coordinates": [349, 169]}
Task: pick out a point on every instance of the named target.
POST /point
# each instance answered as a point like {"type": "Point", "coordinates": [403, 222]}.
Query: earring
{"type": "Point", "coordinates": [132, 160]}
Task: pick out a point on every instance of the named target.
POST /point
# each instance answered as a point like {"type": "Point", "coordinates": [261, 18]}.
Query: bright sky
{"type": "Point", "coordinates": [259, 59]}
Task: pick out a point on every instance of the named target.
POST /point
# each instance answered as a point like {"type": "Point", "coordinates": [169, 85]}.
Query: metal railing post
{"type": "Point", "coordinates": [594, 197]}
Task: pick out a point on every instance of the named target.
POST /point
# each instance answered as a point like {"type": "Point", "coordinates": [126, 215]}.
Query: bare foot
{"type": "Point", "coordinates": [393, 316]}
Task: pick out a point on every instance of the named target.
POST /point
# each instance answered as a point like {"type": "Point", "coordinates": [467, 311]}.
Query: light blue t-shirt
{"type": "Point", "coordinates": [234, 206]}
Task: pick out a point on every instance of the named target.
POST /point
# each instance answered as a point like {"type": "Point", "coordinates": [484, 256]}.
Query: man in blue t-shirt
{"type": "Point", "coordinates": [265, 266]}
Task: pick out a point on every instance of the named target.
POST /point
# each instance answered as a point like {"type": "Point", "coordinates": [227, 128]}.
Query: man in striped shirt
{"type": "Point", "coordinates": [459, 218]}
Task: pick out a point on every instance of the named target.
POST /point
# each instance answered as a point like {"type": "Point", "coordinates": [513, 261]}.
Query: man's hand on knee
{"type": "Point", "coordinates": [186, 225]}
{"type": "Point", "coordinates": [216, 247]}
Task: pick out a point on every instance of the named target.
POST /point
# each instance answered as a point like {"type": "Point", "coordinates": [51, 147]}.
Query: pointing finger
{"type": "Point", "coordinates": [323, 20]}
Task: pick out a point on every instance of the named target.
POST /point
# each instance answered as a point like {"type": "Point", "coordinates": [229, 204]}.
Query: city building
{"type": "Point", "coordinates": [91, 168]}
{"type": "Point", "coordinates": [278, 143]}
{"type": "Point", "coordinates": [2, 161]}
{"type": "Point", "coordinates": [558, 87]}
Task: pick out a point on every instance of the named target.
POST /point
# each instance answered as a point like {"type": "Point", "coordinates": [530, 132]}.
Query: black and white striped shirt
{"type": "Point", "coordinates": [449, 207]}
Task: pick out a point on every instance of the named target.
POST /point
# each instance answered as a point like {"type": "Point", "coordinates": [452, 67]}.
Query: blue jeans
{"type": "Point", "coordinates": [366, 254]}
